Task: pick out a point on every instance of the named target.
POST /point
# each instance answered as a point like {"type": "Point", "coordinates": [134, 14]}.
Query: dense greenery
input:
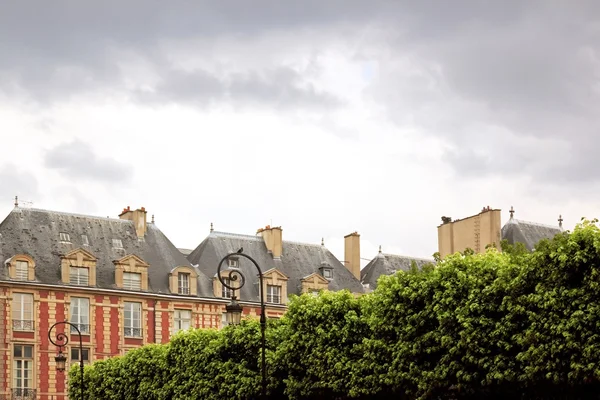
{"type": "Point", "coordinates": [494, 325]}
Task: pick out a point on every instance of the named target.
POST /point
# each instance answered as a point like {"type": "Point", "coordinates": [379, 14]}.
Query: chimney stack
{"type": "Point", "coordinates": [138, 217]}
{"type": "Point", "coordinates": [273, 240]}
{"type": "Point", "coordinates": [352, 253]}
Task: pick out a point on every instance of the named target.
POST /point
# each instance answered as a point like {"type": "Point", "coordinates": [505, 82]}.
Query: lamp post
{"type": "Point", "coordinates": [234, 309]}
{"type": "Point", "coordinates": [62, 339]}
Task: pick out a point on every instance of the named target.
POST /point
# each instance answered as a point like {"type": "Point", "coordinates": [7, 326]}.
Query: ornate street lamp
{"type": "Point", "coordinates": [234, 312]}
{"type": "Point", "coordinates": [62, 339]}
{"type": "Point", "coordinates": [234, 309]}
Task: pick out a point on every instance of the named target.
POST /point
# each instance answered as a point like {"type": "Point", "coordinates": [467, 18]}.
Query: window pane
{"type": "Point", "coordinates": [78, 276]}
{"type": "Point", "coordinates": [28, 351]}
{"type": "Point", "coordinates": [22, 271]}
{"type": "Point", "coordinates": [132, 281]}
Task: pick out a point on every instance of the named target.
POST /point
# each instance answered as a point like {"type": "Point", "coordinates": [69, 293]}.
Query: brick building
{"type": "Point", "coordinates": [124, 284]}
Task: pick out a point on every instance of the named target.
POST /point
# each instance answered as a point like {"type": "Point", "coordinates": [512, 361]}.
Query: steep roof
{"type": "Point", "coordinates": [528, 233]}
{"type": "Point", "coordinates": [297, 261]}
{"type": "Point", "coordinates": [388, 264]}
{"type": "Point", "coordinates": [36, 233]}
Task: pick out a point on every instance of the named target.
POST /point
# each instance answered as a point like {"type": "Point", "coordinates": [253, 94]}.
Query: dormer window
{"type": "Point", "coordinates": [131, 273]}
{"type": "Point", "coordinates": [274, 294]}
{"type": "Point", "coordinates": [132, 281]}
{"type": "Point", "coordinates": [64, 237]}
{"type": "Point", "coordinates": [78, 267]}
{"type": "Point", "coordinates": [327, 273]}
{"type": "Point", "coordinates": [21, 267]}
{"type": "Point", "coordinates": [183, 283]}
{"type": "Point", "coordinates": [117, 244]}
{"type": "Point", "coordinates": [84, 240]}
{"type": "Point", "coordinates": [79, 276]}
{"type": "Point", "coordinates": [233, 262]}
{"type": "Point", "coordinates": [183, 280]}
{"type": "Point", "coordinates": [226, 292]}
{"type": "Point", "coordinates": [22, 271]}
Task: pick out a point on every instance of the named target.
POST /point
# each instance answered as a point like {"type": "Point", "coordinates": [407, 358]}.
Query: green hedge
{"type": "Point", "coordinates": [508, 324]}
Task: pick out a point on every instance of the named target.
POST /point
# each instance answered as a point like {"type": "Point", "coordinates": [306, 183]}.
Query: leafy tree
{"type": "Point", "coordinates": [320, 343]}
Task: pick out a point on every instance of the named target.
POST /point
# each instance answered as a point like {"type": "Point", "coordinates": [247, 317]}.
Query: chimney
{"type": "Point", "coordinates": [138, 217]}
{"type": "Point", "coordinates": [352, 253]}
{"type": "Point", "coordinates": [273, 240]}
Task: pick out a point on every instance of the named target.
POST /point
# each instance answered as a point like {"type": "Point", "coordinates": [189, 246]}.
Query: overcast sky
{"type": "Point", "coordinates": [324, 117]}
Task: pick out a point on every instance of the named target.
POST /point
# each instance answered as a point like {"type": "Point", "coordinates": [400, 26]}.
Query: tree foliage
{"type": "Point", "coordinates": [494, 325]}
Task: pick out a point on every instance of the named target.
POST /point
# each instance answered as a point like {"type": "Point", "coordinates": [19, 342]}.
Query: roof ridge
{"type": "Point", "coordinates": [69, 214]}
{"type": "Point", "coordinates": [256, 237]}
{"type": "Point", "coordinates": [536, 224]}
{"type": "Point", "coordinates": [410, 257]}
{"type": "Point", "coordinates": [239, 235]}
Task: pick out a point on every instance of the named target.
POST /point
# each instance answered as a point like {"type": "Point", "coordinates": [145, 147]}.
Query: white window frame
{"type": "Point", "coordinates": [22, 312]}
{"type": "Point", "coordinates": [130, 283]}
{"type": "Point", "coordinates": [132, 324]}
{"type": "Point", "coordinates": [182, 320]}
{"type": "Point", "coordinates": [79, 276]}
{"type": "Point", "coordinates": [183, 283]}
{"type": "Point", "coordinates": [23, 371]}
{"type": "Point", "coordinates": [327, 273]}
{"type": "Point", "coordinates": [80, 314]}
{"type": "Point", "coordinates": [22, 270]}
{"type": "Point", "coordinates": [117, 243]}
{"type": "Point", "coordinates": [64, 237]}
{"type": "Point", "coordinates": [226, 293]}
{"type": "Point", "coordinates": [85, 240]}
{"type": "Point", "coordinates": [274, 293]}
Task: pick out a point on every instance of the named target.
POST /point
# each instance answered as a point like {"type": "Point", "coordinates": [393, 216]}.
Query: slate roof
{"type": "Point", "coordinates": [528, 233]}
{"type": "Point", "coordinates": [36, 233]}
{"type": "Point", "coordinates": [388, 264]}
{"type": "Point", "coordinates": [298, 260]}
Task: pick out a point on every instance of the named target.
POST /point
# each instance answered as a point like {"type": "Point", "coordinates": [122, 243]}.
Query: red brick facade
{"type": "Point", "coordinates": [106, 338]}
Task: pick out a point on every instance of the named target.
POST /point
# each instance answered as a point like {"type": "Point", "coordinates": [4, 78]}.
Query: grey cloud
{"type": "Point", "coordinates": [279, 87]}
{"type": "Point", "coordinates": [53, 51]}
{"type": "Point", "coordinates": [77, 160]}
{"type": "Point", "coordinates": [531, 72]}
{"type": "Point", "coordinates": [530, 68]}
{"type": "Point", "coordinates": [16, 182]}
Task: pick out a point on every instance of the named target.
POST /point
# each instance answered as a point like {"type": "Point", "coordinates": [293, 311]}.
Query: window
{"type": "Point", "coordinates": [233, 262]}
{"type": "Point", "coordinates": [80, 314]}
{"type": "Point", "coordinates": [183, 320]}
{"type": "Point", "coordinates": [273, 294]}
{"type": "Point", "coordinates": [22, 271]}
{"type": "Point", "coordinates": [78, 276]}
{"type": "Point", "coordinates": [84, 240]}
{"type": "Point", "coordinates": [327, 273]}
{"type": "Point", "coordinates": [64, 237]}
{"type": "Point", "coordinates": [22, 312]}
{"type": "Point", "coordinates": [183, 283]}
{"type": "Point", "coordinates": [23, 372]}
{"type": "Point", "coordinates": [133, 319]}
{"type": "Point", "coordinates": [117, 244]}
{"type": "Point", "coordinates": [226, 292]}
{"type": "Point", "coordinates": [132, 281]}
{"type": "Point", "coordinates": [75, 358]}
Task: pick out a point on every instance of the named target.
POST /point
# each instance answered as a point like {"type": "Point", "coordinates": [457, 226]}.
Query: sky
{"type": "Point", "coordinates": [323, 117]}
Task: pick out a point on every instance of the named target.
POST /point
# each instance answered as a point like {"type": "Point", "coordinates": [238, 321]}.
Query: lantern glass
{"type": "Point", "coordinates": [61, 361]}
{"type": "Point", "coordinates": [234, 312]}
